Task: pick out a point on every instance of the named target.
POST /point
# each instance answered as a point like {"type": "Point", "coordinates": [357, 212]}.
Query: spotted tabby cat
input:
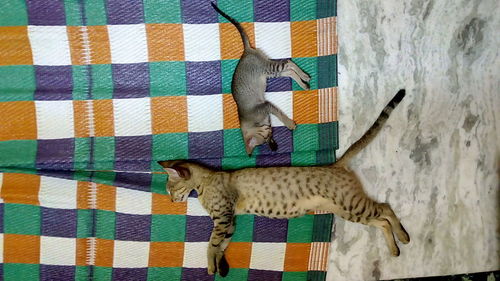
{"type": "Point", "coordinates": [283, 192]}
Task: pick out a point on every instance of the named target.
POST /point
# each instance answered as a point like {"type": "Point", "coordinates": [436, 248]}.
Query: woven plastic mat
{"type": "Point", "coordinates": [94, 93]}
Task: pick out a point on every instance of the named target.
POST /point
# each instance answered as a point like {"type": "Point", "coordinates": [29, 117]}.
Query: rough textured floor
{"type": "Point", "coordinates": [437, 160]}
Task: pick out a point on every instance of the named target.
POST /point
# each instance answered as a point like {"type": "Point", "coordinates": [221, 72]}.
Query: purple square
{"type": "Point", "coordinates": [46, 12]}
{"type": "Point", "coordinates": [130, 274]}
{"type": "Point", "coordinates": [53, 82]}
{"type": "Point", "coordinates": [283, 137]}
{"type": "Point", "coordinates": [125, 12]}
{"type": "Point", "coordinates": [279, 84]}
{"type": "Point", "coordinates": [212, 163]}
{"type": "Point", "coordinates": [56, 272]}
{"type": "Point", "coordinates": [198, 228]}
{"type": "Point", "coordinates": [133, 153]}
{"type": "Point", "coordinates": [198, 11]}
{"type": "Point", "coordinates": [206, 145]}
{"type": "Point", "coordinates": [268, 275]}
{"type": "Point", "coordinates": [271, 11]}
{"type": "Point", "coordinates": [198, 274]}
{"type": "Point", "coordinates": [133, 227]}
{"type": "Point", "coordinates": [130, 80]}
{"type": "Point", "coordinates": [136, 181]}
{"type": "Point", "coordinates": [59, 222]}
{"type": "Point", "coordinates": [204, 78]}
{"type": "Point", "coordinates": [274, 160]}
{"type": "Point", "coordinates": [53, 154]}
{"type": "Point", "coordinates": [269, 230]}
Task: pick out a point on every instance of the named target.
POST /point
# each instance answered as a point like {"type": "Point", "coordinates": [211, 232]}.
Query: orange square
{"type": "Point", "coordinates": [104, 254]}
{"type": "Point", "coordinates": [81, 251]}
{"type": "Point", "coordinates": [15, 46]}
{"type": "Point", "coordinates": [75, 44]}
{"type": "Point", "coordinates": [106, 197]}
{"type": "Point", "coordinates": [17, 120]}
{"type": "Point", "coordinates": [238, 254]}
{"type": "Point", "coordinates": [169, 114]}
{"type": "Point", "coordinates": [304, 34]}
{"type": "Point", "coordinates": [165, 42]}
{"type": "Point", "coordinates": [163, 205]}
{"type": "Point", "coordinates": [21, 248]}
{"type": "Point", "coordinates": [100, 52]}
{"type": "Point", "coordinates": [103, 118]}
{"type": "Point", "coordinates": [297, 256]}
{"type": "Point", "coordinates": [166, 254]}
{"type": "Point", "coordinates": [20, 188]}
{"type": "Point", "coordinates": [305, 107]}
{"type": "Point", "coordinates": [230, 39]}
{"type": "Point", "coordinates": [81, 119]}
{"type": "Point", "coordinates": [231, 120]}
{"type": "Point", "coordinates": [82, 194]}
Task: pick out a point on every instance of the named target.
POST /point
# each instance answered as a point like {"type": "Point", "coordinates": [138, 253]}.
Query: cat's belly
{"type": "Point", "coordinates": [273, 208]}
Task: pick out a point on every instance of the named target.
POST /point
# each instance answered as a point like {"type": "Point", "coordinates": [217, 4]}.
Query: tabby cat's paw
{"type": "Point", "coordinates": [291, 125]}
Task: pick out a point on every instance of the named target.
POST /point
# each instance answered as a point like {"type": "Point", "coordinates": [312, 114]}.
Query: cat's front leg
{"type": "Point", "coordinates": [219, 240]}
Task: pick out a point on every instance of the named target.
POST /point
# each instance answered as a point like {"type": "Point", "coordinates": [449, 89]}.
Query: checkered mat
{"type": "Point", "coordinates": [93, 93]}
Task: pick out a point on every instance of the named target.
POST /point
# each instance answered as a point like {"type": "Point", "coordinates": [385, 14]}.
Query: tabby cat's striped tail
{"type": "Point", "coordinates": [373, 131]}
{"type": "Point", "coordinates": [244, 36]}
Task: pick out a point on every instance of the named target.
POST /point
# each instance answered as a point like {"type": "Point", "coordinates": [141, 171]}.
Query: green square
{"type": "Point", "coordinates": [13, 12]}
{"type": "Point", "coordinates": [325, 157]}
{"type": "Point", "coordinates": [162, 11]}
{"type": "Point", "coordinates": [22, 219]}
{"type": "Point", "coordinates": [105, 224]}
{"type": "Point", "coordinates": [80, 82]}
{"type": "Point", "coordinates": [82, 273]}
{"type": "Point", "coordinates": [168, 228]}
{"type": "Point", "coordinates": [227, 70]}
{"type": "Point", "coordinates": [17, 81]}
{"type": "Point", "coordinates": [294, 276]}
{"type": "Point", "coordinates": [103, 273]}
{"type": "Point", "coordinates": [305, 138]}
{"type": "Point", "coordinates": [104, 153]}
{"type": "Point", "coordinates": [328, 135]}
{"type": "Point", "coordinates": [234, 163]}
{"type": "Point", "coordinates": [84, 223]}
{"type": "Point", "coordinates": [167, 78]}
{"type": "Point", "coordinates": [327, 71]}
{"type": "Point", "coordinates": [18, 153]}
{"type": "Point", "coordinates": [170, 146]}
{"type": "Point", "coordinates": [301, 10]}
{"type": "Point", "coordinates": [102, 80]}
{"type": "Point", "coordinates": [159, 183]}
{"type": "Point", "coordinates": [304, 158]}
{"type": "Point", "coordinates": [73, 14]}
{"type": "Point", "coordinates": [104, 177]}
{"type": "Point", "coordinates": [242, 11]}
{"type": "Point", "coordinates": [300, 229]}
{"type": "Point", "coordinates": [233, 143]}
{"type": "Point", "coordinates": [82, 153]}
{"type": "Point", "coordinates": [164, 273]}
{"type": "Point", "coordinates": [235, 274]}
{"type": "Point", "coordinates": [322, 228]}
{"type": "Point", "coordinates": [327, 8]}
{"type": "Point", "coordinates": [243, 231]}
{"type": "Point", "coordinates": [21, 271]}
{"type": "Point", "coordinates": [316, 275]}
{"type": "Point", "coordinates": [95, 12]}
{"type": "Point", "coordinates": [310, 66]}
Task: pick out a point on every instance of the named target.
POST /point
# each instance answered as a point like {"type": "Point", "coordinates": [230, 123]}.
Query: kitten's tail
{"type": "Point", "coordinates": [244, 36]}
{"type": "Point", "coordinates": [373, 131]}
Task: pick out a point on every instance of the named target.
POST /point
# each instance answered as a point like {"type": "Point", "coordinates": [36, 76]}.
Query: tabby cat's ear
{"type": "Point", "coordinates": [176, 170]}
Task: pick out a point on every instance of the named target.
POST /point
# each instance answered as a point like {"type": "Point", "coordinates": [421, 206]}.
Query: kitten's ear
{"type": "Point", "coordinates": [250, 145]}
{"type": "Point", "coordinates": [176, 170]}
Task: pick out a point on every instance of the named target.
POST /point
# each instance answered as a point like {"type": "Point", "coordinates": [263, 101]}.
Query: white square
{"type": "Point", "coordinates": [195, 254]}
{"type": "Point", "coordinates": [1, 247]}
{"type": "Point", "coordinates": [274, 38]}
{"type": "Point", "coordinates": [194, 208]}
{"type": "Point", "coordinates": [57, 250]}
{"type": "Point", "coordinates": [201, 42]}
{"type": "Point", "coordinates": [131, 254]}
{"type": "Point", "coordinates": [58, 193]}
{"type": "Point", "coordinates": [50, 45]}
{"type": "Point", "coordinates": [54, 119]}
{"type": "Point", "coordinates": [268, 256]}
{"type": "Point", "coordinates": [128, 43]}
{"type": "Point", "coordinates": [205, 113]}
{"type": "Point", "coordinates": [132, 116]}
{"type": "Point", "coordinates": [282, 100]}
{"type": "Point", "coordinates": [134, 202]}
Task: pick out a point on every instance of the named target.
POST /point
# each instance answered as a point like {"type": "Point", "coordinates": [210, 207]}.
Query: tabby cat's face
{"type": "Point", "coordinates": [179, 191]}
{"type": "Point", "coordinates": [180, 180]}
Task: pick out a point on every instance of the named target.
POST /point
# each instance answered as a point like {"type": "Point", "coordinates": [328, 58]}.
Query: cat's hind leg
{"type": "Point", "coordinates": [399, 230]}
{"type": "Point", "coordinates": [269, 108]}
{"type": "Point", "coordinates": [386, 228]}
{"type": "Point", "coordinates": [287, 68]}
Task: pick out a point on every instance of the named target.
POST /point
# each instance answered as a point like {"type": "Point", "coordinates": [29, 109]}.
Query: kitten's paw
{"type": "Point", "coordinates": [403, 236]}
{"type": "Point", "coordinates": [395, 251]}
{"type": "Point", "coordinates": [291, 125]}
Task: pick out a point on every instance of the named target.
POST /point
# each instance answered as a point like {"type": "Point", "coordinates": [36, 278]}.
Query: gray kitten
{"type": "Point", "coordinates": [248, 87]}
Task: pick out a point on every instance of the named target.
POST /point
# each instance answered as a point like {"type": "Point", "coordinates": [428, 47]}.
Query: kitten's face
{"type": "Point", "coordinates": [180, 180]}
